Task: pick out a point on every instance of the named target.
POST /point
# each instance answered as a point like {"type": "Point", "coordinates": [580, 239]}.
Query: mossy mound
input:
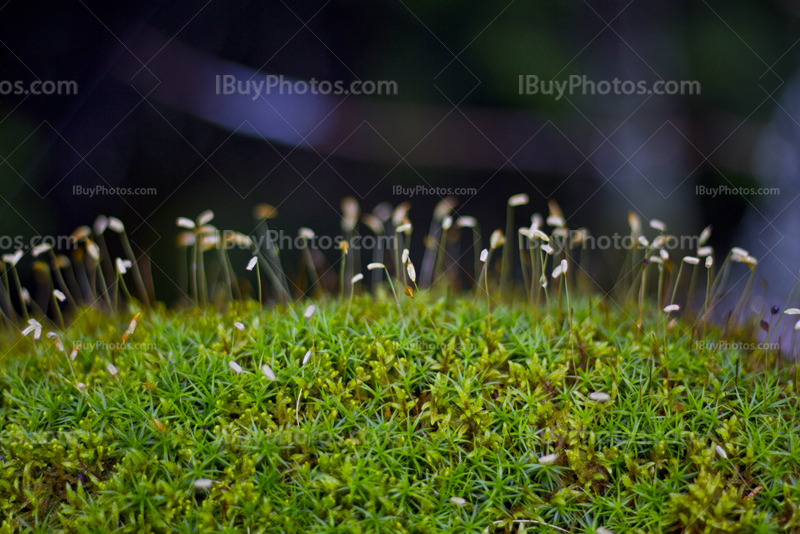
{"type": "Point", "coordinates": [436, 421]}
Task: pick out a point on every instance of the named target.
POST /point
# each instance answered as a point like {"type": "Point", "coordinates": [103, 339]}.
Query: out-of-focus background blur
{"type": "Point", "coordinates": [168, 101]}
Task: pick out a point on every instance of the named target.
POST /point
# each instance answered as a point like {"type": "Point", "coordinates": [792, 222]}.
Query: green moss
{"type": "Point", "coordinates": [392, 425]}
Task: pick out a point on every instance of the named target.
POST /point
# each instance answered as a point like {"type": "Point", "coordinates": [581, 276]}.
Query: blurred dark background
{"type": "Point", "coordinates": [146, 115]}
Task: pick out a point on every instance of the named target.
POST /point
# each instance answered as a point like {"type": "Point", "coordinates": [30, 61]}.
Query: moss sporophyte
{"type": "Point", "coordinates": [538, 403]}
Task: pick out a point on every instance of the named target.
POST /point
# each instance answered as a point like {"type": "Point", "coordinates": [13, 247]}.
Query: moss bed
{"type": "Point", "coordinates": [439, 420]}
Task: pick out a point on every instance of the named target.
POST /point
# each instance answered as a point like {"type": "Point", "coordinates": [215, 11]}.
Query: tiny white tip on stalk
{"type": "Point", "coordinates": [306, 357]}
{"type": "Point", "coordinates": [26, 296]}
{"type": "Point", "coordinates": [447, 223]}
{"type": "Point", "coordinates": [306, 233]}
{"type": "Point", "coordinates": [268, 372]}
{"type": "Point", "coordinates": [664, 254]}
{"type": "Point", "coordinates": [41, 266]}
{"type": "Point", "coordinates": [412, 273]}
{"type": "Point", "coordinates": [35, 327]}
{"type": "Point", "coordinates": [205, 217]}
{"type": "Point", "coordinates": [206, 229]}
{"type": "Point", "coordinates": [553, 209]}
{"type": "Point", "coordinates": [80, 385]}
{"type": "Point", "coordinates": [93, 250]}
{"type": "Point", "coordinates": [671, 308]}
{"type": "Point", "coordinates": [185, 222]}
{"type": "Point", "coordinates": [721, 452]}
{"type": "Point", "coordinates": [548, 249]}
{"type": "Point", "coordinates": [540, 235]}
{"type": "Point", "coordinates": [709, 262]}
{"type": "Point", "coordinates": [239, 238]}
{"type": "Point", "coordinates": [209, 241]}
{"type": "Point", "coordinates": [350, 211]}
{"type": "Point", "coordinates": [400, 212]}
{"type": "Point", "coordinates": [309, 311]}
{"type": "Point", "coordinates": [536, 221]}
{"type": "Point", "coordinates": [252, 263]}
{"type": "Point", "coordinates": [555, 221]}
{"type": "Point", "coordinates": [373, 222]}
{"type": "Point", "coordinates": [357, 278]}
{"type": "Point", "coordinates": [373, 266]}
{"type": "Point", "coordinates": [643, 241]}
{"type": "Point", "coordinates": [265, 211]}
{"type": "Point", "coordinates": [203, 484]}
{"type": "Point", "coordinates": [659, 241]}
{"type": "Point", "coordinates": [702, 252]}
{"type": "Point", "coordinates": [12, 259]}
{"type": "Point", "coordinates": [580, 235]}
{"type": "Point", "coordinates": [518, 200]}
{"type": "Point", "coordinates": [403, 228]}
{"type": "Point", "coordinates": [131, 328]}
{"type": "Point", "coordinates": [100, 225]}
{"type": "Point", "coordinates": [704, 235]}
{"type": "Point", "coordinates": [466, 222]}
{"type": "Point", "coordinates": [792, 311]}
{"type": "Point", "coordinates": [738, 251]}
{"type": "Point", "coordinates": [116, 225]}
{"type": "Point", "coordinates": [797, 325]}
{"type": "Point", "coordinates": [564, 266]}
{"type": "Point", "coordinates": [74, 353]}
{"type": "Point", "coordinates": [496, 239]}
{"type": "Point", "coordinates": [239, 326]}
{"type": "Point", "coordinates": [444, 207]}
{"type": "Point", "coordinates": [404, 257]}
{"type": "Point", "coordinates": [635, 223]}
{"type": "Point", "coordinates": [123, 265]}
{"type": "Point", "coordinates": [458, 501]}
{"type": "Point", "coordinates": [655, 259]}
{"type": "Point", "coordinates": [56, 340]}
{"type": "Point", "coordinates": [112, 369]}
{"type": "Point", "coordinates": [235, 367]}
{"type": "Point", "coordinates": [656, 224]}
{"type": "Point", "coordinates": [525, 232]}
{"type": "Point", "coordinates": [59, 295]}
{"type": "Point", "coordinates": [38, 250]}
{"type": "Point", "coordinates": [691, 260]}
{"type": "Point", "coordinates": [242, 240]}
{"type": "Point", "coordinates": [548, 459]}
{"type": "Point", "coordinates": [599, 396]}
{"type": "Point", "coordinates": [557, 272]}
{"type": "Point", "coordinates": [484, 255]}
